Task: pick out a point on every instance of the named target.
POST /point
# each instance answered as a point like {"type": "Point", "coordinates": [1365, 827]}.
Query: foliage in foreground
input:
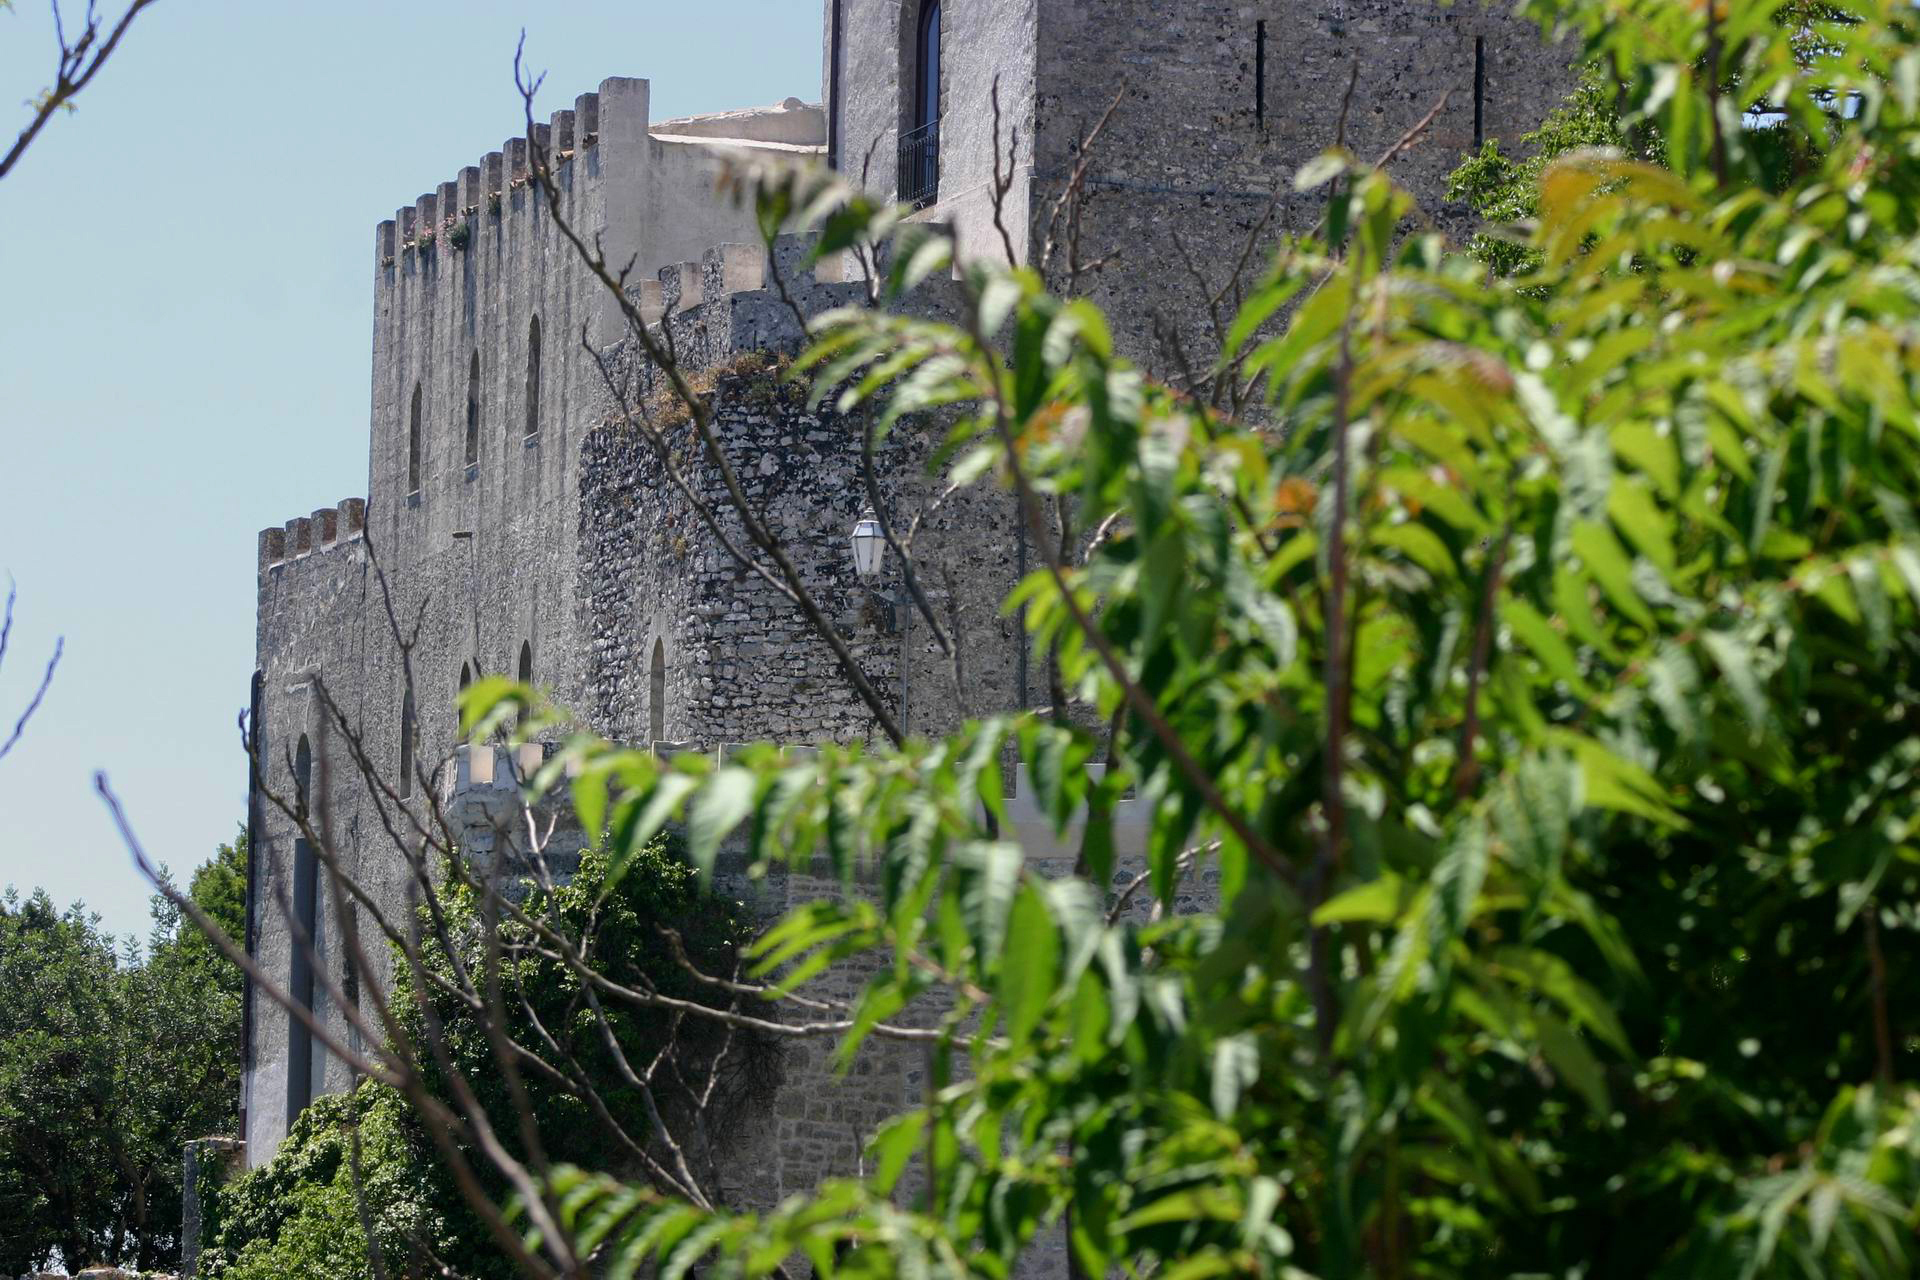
{"type": "Point", "coordinates": [1544, 686]}
{"type": "Point", "coordinates": [111, 1059]}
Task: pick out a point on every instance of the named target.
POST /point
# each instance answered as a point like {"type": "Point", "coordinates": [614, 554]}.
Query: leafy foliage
{"type": "Point", "coordinates": [1541, 678]}
{"type": "Point", "coordinates": [299, 1214]}
{"type": "Point", "coordinates": [1503, 190]}
{"type": "Point", "coordinates": [111, 1059]}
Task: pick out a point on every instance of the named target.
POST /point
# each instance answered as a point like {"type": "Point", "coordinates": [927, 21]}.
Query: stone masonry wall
{"type": "Point", "coordinates": [743, 664]}
{"type": "Point", "coordinates": [1192, 151]}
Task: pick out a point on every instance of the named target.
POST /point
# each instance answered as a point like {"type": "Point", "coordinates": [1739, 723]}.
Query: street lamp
{"type": "Point", "coordinates": [869, 551]}
{"type": "Point", "coordinates": [869, 546]}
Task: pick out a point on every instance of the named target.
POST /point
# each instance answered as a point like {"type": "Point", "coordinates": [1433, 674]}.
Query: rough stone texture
{"type": "Point", "coordinates": [1186, 153]}
{"type": "Point", "coordinates": [566, 538]}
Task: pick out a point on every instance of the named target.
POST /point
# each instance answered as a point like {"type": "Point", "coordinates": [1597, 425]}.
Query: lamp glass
{"type": "Point", "coordinates": [869, 546]}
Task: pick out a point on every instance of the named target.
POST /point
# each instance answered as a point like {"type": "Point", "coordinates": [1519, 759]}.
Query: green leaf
{"type": "Point", "coordinates": [1603, 558]}
{"type": "Point", "coordinates": [1612, 782]}
{"type": "Point", "coordinates": [1029, 969]}
{"type": "Point", "coordinates": [1734, 657]}
{"type": "Point", "coordinates": [1645, 523]}
{"type": "Point", "coordinates": [987, 898]}
{"type": "Point", "coordinates": [1533, 630]}
{"type": "Point", "coordinates": [895, 1144]}
{"type": "Point", "coordinates": [1646, 447]}
{"type": "Point", "coordinates": [1236, 1066]}
{"type": "Point", "coordinates": [1553, 977]}
{"type": "Point", "coordinates": [721, 805]}
{"type": "Point", "coordinates": [1571, 1060]}
{"type": "Point", "coordinates": [1419, 544]}
{"type": "Point", "coordinates": [1377, 902]}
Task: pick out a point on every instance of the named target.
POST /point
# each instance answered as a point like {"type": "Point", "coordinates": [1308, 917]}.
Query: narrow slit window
{"type": "Point", "coordinates": [413, 444]}
{"type": "Point", "coordinates": [1479, 91]}
{"type": "Point", "coordinates": [525, 675]}
{"type": "Point", "coordinates": [657, 693]}
{"type": "Point", "coordinates": [473, 409]}
{"type": "Point", "coordinates": [406, 745]}
{"type": "Point", "coordinates": [306, 886]}
{"type": "Point", "coordinates": [533, 376]}
{"type": "Point", "coordinates": [1260, 73]}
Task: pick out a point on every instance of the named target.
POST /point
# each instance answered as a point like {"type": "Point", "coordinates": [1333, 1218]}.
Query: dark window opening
{"type": "Point", "coordinates": [350, 976]}
{"type": "Point", "coordinates": [1260, 73]}
{"type": "Point", "coordinates": [413, 445]}
{"type": "Point", "coordinates": [306, 887]}
{"type": "Point", "coordinates": [406, 745]}
{"type": "Point", "coordinates": [526, 674]}
{"type": "Point", "coordinates": [1479, 91]}
{"type": "Point", "coordinates": [533, 376]}
{"type": "Point", "coordinates": [473, 409]}
{"type": "Point", "coordinates": [920, 144]}
{"type": "Point", "coordinates": [657, 693]}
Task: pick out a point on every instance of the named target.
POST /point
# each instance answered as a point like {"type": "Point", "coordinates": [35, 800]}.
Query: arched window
{"type": "Point", "coordinates": [306, 894]}
{"type": "Point", "coordinates": [926, 102]}
{"type": "Point", "coordinates": [533, 376]}
{"type": "Point", "coordinates": [406, 745]}
{"type": "Point", "coordinates": [413, 445]}
{"type": "Point", "coordinates": [473, 409]}
{"type": "Point", "coordinates": [920, 135]}
{"type": "Point", "coordinates": [657, 693]}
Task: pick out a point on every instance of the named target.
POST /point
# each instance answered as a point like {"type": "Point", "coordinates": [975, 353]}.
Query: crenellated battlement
{"type": "Point", "coordinates": [617, 111]}
{"type": "Point", "coordinates": [304, 535]}
{"type": "Point", "coordinates": [428, 223]}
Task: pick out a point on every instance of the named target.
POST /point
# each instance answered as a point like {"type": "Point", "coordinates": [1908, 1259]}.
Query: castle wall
{"type": "Point", "coordinates": [743, 664]}
{"type": "Point", "coordinates": [313, 583]}
{"type": "Point", "coordinates": [479, 558]}
{"type": "Point", "coordinates": [1189, 152]}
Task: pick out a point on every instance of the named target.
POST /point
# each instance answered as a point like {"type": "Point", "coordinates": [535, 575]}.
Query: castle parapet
{"type": "Point", "coordinates": [303, 535]}
{"type": "Point", "coordinates": [484, 186]}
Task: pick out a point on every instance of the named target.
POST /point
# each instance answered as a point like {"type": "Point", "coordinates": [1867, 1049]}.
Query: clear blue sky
{"type": "Point", "coordinates": [185, 335]}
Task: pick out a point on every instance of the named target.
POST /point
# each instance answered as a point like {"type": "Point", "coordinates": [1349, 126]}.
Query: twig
{"type": "Point", "coordinates": [46, 677]}
{"type": "Point", "coordinates": [1467, 771]}
{"type": "Point", "coordinates": [78, 63]}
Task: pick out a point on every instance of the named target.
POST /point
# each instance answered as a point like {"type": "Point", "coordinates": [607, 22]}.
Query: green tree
{"type": "Point", "coordinates": [111, 1058]}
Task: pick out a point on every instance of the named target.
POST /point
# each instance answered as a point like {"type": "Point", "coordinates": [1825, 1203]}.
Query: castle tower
{"type": "Point", "coordinates": [1215, 105]}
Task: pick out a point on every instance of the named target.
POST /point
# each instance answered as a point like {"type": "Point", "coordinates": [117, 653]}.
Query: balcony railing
{"type": "Point", "coordinates": [920, 165]}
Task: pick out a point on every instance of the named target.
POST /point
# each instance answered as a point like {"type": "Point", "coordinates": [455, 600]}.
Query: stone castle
{"type": "Point", "coordinates": [530, 534]}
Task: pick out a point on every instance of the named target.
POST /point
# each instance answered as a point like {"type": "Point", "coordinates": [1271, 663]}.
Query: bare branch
{"type": "Point", "coordinates": [75, 68]}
